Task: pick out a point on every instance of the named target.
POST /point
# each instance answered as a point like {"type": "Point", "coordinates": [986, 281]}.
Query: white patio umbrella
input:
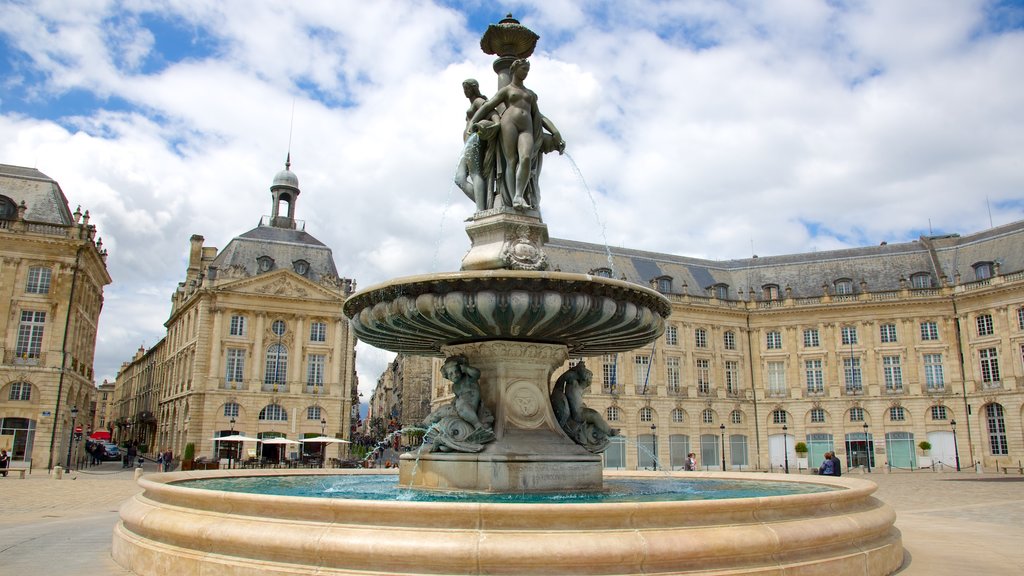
{"type": "Point", "coordinates": [236, 438]}
{"type": "Point", "coordinates": [326, 439]}
{"type": "Point", "coordinates": [278, 441]}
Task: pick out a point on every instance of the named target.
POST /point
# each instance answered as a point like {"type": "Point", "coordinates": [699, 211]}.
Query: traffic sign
{"type": "Point", "coordinates": [78, 429]}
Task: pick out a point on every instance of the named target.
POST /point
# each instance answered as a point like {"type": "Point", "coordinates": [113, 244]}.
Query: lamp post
{"type": "Point", "coordinates": [785, 446]}
{"type": "Point", "coordinates": [231, 454]}
{"type": "Point", "coordinates": [654, 440]}
{"type": "Point", "coordinates": [867, 447]}
{"type": "Point", "coordinates": [721, 427]}
{"type": "Point", "coordinates": [71, 438]}
{"type": "Point", "coordinates": [956, 449]}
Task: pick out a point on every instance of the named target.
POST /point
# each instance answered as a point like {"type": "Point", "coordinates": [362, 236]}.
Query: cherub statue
{"type": "Point", "coordinates": [584, 425]}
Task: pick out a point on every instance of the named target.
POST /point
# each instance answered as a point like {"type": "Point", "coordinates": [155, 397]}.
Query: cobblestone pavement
{"type": "Point", "coordinates": [952, 523]}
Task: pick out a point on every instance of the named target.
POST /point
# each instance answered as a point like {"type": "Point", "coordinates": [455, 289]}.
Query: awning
{"type": "Point", "coordinates": [100, 435]}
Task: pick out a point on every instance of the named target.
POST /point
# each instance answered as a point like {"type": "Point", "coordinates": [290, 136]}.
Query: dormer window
{"type": "Point", "coordinates": [843, 286]}
{"type": "Point", "coordinates": [301, 267]}
{"type": "Point", "coordinates": [8, 210]}
{"type": "Point", "coordinates": [721, 291]}
{"type": "Point", "coordinates": [602, 272]}
{"type": "Point", "coordinates": [770, 291]}
{"type": "Point", "coordinates": [663, 284]}
{"type": "Point", "coordinates": [265, 263]}
{"type": "Point", "coordinates": [982, 270]}
{"type": "Point", "coordinates": [921, 280]}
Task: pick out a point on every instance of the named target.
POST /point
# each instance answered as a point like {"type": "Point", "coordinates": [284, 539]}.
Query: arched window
{"type": "Point", "coordinates": [273, 413]}
{"type": "Point", "coordinates": [982, 270]}
{"type": "Point", "coordinates": [646, 414]}
{"type": "Point", "coordinates": [996, 429]}
{"type": "Point", "coordinates": [301, 267]}
{"type": "Point", "coordinates": [921, 280]}
{"type": "Point", "coordinates": [843, 286]}
{"type": "Point", "coordinates": [721, 291]}
{"type": "Point", "coordinates": [602, 272]}
{"type": "Point", "coordinates": [664, 284]}
{"type": "Point", "coordinates": [21, 391]}
{"type": "Point", "coordinates": [8, 209]}
{"type": "Point", "coordinates": [276, 365]}
{"type": "Point", "coordinates": [770, 291]}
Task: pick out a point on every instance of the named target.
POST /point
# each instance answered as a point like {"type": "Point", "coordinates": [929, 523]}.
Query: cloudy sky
{"type": "Point", "coordinates": [705, 128]}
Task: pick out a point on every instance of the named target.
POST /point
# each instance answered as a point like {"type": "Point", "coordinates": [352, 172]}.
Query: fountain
{"type": "Point", "coordinates": [504, 324]}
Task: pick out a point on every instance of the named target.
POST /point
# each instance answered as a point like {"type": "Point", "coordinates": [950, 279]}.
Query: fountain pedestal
{"type": "Point", "coordinates": [504, 239]}
{"type": "Point", "coordinates": [530, 452]}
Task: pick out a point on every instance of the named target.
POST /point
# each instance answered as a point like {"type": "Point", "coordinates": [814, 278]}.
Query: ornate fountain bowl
{"type": "Point", "coordinates": [590, 315]}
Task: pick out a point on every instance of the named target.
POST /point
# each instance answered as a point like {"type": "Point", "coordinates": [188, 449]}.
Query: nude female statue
{"type": "Point", "coordinates": [475, 165]}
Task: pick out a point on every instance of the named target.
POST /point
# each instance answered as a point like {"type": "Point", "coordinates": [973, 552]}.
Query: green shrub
{"type": "Point", "coordinates": [190, 452]}
{"type": "Point", "coordinates": [924, 445]}
{"type": "Point", "coordinates": [800, 448]}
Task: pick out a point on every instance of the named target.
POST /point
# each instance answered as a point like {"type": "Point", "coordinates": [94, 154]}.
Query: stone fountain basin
{"type": "Point", "coordinates": [590, 315]}
{"type": "Point", "coordinates": [169, 529]}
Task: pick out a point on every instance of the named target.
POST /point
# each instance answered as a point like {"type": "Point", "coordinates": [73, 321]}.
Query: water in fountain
{"type": "Point", "coordinates": [597, 216]}
{"type": "Point", "coordinates": [471, 143]}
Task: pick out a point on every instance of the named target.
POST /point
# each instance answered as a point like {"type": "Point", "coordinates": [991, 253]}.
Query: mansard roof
{"type": "Point", "coordinates": [43, 198]}
{"type": "Point", "coordinates": [285, 246]}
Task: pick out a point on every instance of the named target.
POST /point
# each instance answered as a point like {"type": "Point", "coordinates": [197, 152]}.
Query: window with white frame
{"type": "Point", "coordinates": [811, 338]}
{"type": "Point", "coordinates": [722, 291]}
{"type": "Point", "coordinates": [700, 338]}
{"type": "Point", "coordinates": [672, 374]}
{"type": "Point", "coordinates": [641, 371]}
{"type": "Point", "coordinates": [313, 413]}
{"type": "Point", "coordinates": [996, 429]}
{"type": "Point", "coordinates": [770, 291]}
{"type": "Point", "coordinates": [703, 373]}
{"type": "Point", "coordinates": [773, 340]}
{"type": "Point", "coordinates": [38, 281]}
{"type": "Point", "coordinates": [231, 409]}
{"type": "Point", "coordinates": [776, 378]}
{"type": "Point", "coordinates": [1020, 318]}
{"type": "Point", "coordinates": [934, 377]}
{"type": "Point", "coordinates": [732, 377]}
{"type": "Point", "coordinates": [897, 414]}
{"type": "Point", "coordinates": [30, 334]}
{"type": "Point", "coordinates": [844, 286]}
{"type": "Point", "coordinates": [921, 280]}
{"type": "Point", "coordinates": [612, 413]}
{"type": "Point", "coordinates": [939, 412]}
{"type": "Point", "coordinates": [273, 413]}
{"type": "Point", "coordinates": [315, 371]}
{"type": "Point", "coordinates": [982, 270]}
{"type": "Point", "coordinates": [929, 330]}
{"type": "Point", "coordinates": [852, 375]}
{"type": "Point", "coordinates": [646, 414]}
{"type": "Point", "coordinates": [818, 415]}
{"type": "Point", "coordinates": [985, 327]}
{"type": "Point", "coordinates": [707, 416]}
{"type": "Point", "coordinates": [278, 327]}
{"type": "Point", "coordinates": [849, 335]}
{"type": "Point", "coordinates": [729, 340]}
{"type": "Point", "coordinates": [887, 333]}
{"type": "Point", "coordinates": [779, 416]}
{"type": "Point", "coordinates": [609, 372]}
{"type": "Point", "coordinates": [892, 373]}
{"type": "Point", "coordinates": [237, 326]}
{"type": "Point", "coordinates": [20, 391]}
{"type": "Point", "coordinates": [318, 331]}
{"type": "Point", "coordinates": [276, 369]}
{"type": "Point", "coordinates": [235, 365]}
{"type": "Point", "coordinates": [989, 361]}
{"type": "Point", "coordinates": [677, 415]}
{"type": "Point", "coordinates": [671, 335]}
{"type": "Point", "coordinates": [664, 285]}
{"type": "Point", "coordinates": [736, 417]}
{"type": "Point", "coordinates": [814, 376]}
{"type": "Point", "coordinates": [856, 414]}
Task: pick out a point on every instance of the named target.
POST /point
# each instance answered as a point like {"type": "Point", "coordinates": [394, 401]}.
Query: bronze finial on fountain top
{"type": "Point", "coordinates": [509, 38]}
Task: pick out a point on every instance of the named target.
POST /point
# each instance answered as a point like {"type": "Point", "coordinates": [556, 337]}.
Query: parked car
{"type": "Point", "coordinates": [111, 451]}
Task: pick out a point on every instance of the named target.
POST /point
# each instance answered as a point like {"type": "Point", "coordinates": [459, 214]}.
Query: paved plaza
{"type": "Point", "coordinates": [952, 523]}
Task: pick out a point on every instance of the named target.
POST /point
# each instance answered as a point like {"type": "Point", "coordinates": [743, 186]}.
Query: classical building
{"type": "Point", "coordinates": [256, 345]}
{"type": "Point", "coordinates": [402, 396]}
{"type": "Point", "coordinates": [866, 352]}
{"type": "Point", "coordinates": [52, 275]}
{"type": "Point", "coordinates": [102, 405]}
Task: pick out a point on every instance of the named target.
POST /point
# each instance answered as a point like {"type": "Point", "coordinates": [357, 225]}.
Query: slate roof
{"type": "Point", "coordinates": [880, 267]}
{"type": "Point", "coordinates": [284, 245]}
{"type": "Point", "coordinates": [44, 200]}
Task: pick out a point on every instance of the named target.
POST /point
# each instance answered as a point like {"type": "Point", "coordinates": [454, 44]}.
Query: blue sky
{"type": "Point", "coordinates": [702, 127]}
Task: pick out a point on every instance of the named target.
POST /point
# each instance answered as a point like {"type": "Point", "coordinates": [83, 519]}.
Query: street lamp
{"type": "Point", "coordinates": [722, 428]}
{"type": "Point", "coordinates": [785, 446]}
{"type": "Point", "coordinates": [323, 426]}
{"type": "Point", "coordinates": [71, 438]}
{"type": "Point", "coordinates": [867, 446]}
{"type": "Point", "coordinates": [956, 449]}
{"type": "Point", "coordinates": [654, 439]}
{"type": "Point", "coordinates": [233, 447]}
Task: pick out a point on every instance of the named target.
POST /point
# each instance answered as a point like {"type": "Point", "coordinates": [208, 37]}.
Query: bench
{"type": "Point", "coordinates": [20, 471]}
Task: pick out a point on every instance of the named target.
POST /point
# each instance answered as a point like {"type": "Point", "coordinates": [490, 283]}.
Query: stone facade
{"type": "Point", "coordinates": [256, 345]}
{"type": "Point", "coordinates": [52, 275]}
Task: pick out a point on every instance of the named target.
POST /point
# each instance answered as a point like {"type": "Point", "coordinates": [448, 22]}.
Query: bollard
{"type": "Point", "coordinates": [138, 473]}
{"type": "Point", "coordinates": [58, 472]}
{"type": "Point", "coordinates": [977, 467]}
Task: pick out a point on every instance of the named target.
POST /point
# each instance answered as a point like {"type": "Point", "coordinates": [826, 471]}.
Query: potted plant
{"type": "Point", "coordinates": [925, 446]}
{"type": "Point", "coordinates": [188, 457]}
{"type": "Point", "coordinates": [801, 452]}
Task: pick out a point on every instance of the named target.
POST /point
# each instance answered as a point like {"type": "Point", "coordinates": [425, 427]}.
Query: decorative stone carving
{"type": "Point", "coordinates": [464, 425]}
{"type": "Point", "coordinates": [584, 425]}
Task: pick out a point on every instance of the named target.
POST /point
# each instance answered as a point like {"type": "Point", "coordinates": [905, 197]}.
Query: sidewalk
{"type": "Point", "coordinates": [952, 523]}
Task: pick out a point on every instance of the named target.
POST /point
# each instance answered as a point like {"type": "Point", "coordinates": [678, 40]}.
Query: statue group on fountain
{"type": "Point", "coordinates": [506, 137]}
{"type": "Point", "coordinates": [584, 425]}
{"type": "Point", "coordinates": [464, 425]}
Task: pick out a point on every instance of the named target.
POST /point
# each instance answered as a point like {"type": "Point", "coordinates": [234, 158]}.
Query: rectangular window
{"type": "Point", "coordinates": [235, 365]}
{"type": "Point", "coordinates": [671, 336]}
{"type": "Point", "coordinates": [856, 414]}
{"type": "Point", "coordinates": [996, 429]}
{"type": "Point", "coordinates": [641, 371]}
{"type": "Point", "coordinates": [1020, 318]}
{"type": "Point", "coordinates": [610, 381]}
{"type": "Point", "coordinates": [811, 339]}
{"type": "Point", "coordinates": [38, 280]}
{"type": "Point", "coordinates": [849, 335]}
{"type": "Point", "coordinates": [776, 378]}
{"type": "Point", "coordinates": [939, 413]}
{"type": "Point", "coordinates": [887, 333]}
{"type": "Point", "coordinates": [897, 414]}
{"type": "Point", "coordinates": [934, 377]}
{"type": "Point", "coordinates": [852, 376]}
{"type": "Point", "coordinates": [732, 377]}
{"type": "Point", "coordinates": [315, 371]}
{"type": "Point", "coordinates": [817, 415]}
{"type": "Point", "coordinates": [231, 410]}
{"type": "Point", "coordinates": [929, 331]}
{"type": "Point", "coordinates": [312, 413]}
{"type": "Point", "coordinates": [672, 369]}
{"type": "Point", "coordinates": [703, 376]}
{"type": "Point", "coordinates": [892, 373]}
{"type": "Point", "coordinates": [729, 340]}
{"type": "Point", "coordinates": [318, 332]}
{"type": "Point", "coordinates": [989, 365]}
{"type": "Point", "coordinates": [815, 377]}
{"type": "Point", "coordinates": [700, 338]}
{"type": "Point", "coordinates": [774, 340]}
{"type": "Point", "coordinates": [985, 325]}
{"type": "Point", "coordinates": [30, 334]}
{"type": "Point", "coordinates": [238, 325]}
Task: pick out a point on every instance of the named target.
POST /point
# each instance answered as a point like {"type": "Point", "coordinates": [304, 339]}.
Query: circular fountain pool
{"type": "Point", "coordinates": [830, 525]}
